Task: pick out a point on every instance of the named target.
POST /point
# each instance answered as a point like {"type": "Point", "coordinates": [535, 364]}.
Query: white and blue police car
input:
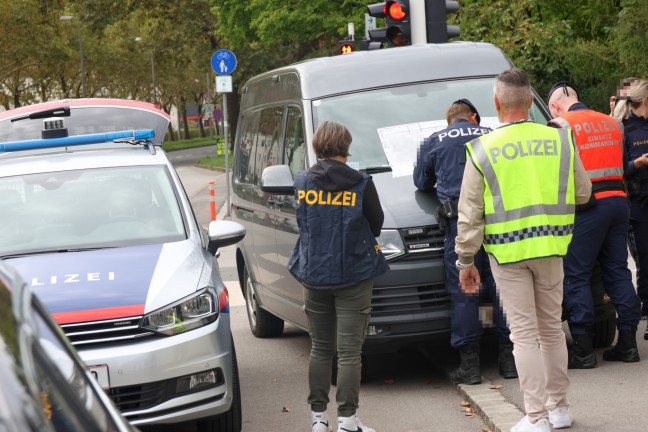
{"type": "Point", "coordinates": [96, 221]}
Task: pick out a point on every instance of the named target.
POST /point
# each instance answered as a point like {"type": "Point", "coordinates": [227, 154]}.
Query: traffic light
{"type": "Point", "coordinates": [397, 31]}
{"type": "Point", "coordinates": [377, 36]}
{"type": "Point", "coordinates": [436, 12]}
{"type": "Point", "coordinates": [346, 46]}
{"type": "Point", "coordinates": [397, 20]}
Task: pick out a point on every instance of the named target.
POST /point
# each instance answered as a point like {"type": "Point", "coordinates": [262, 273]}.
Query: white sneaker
{"type": "Point", "coordinates": [561, 417]}
{"type": "Point", "coordinates": [525, 425]}
{"type": "Point", "coordinates": [352, 424]}
{"type": "Point", "coordinates": [320, 422]}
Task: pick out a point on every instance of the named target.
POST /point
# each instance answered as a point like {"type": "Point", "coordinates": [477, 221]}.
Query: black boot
{"type": "Point", "coordinates": [468, 371]}
{"type": "Point", "coordinates": [625, 349]}
{"type": "Point", "coordinates": [646, 333]}
{"type": "Point", "coordinates": [507, 367]}
{"type": "Point", "coordinates": [581, 353]}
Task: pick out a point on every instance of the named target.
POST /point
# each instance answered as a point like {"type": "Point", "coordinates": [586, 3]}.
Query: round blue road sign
{"type": "Point", "coordinates": [223, 62]}
{"type": "Point", "coordinates": [217, 114]}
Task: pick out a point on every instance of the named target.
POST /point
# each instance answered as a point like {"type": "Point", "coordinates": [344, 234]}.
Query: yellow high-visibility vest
{"type": "Point", "coordinates": [529, 195]}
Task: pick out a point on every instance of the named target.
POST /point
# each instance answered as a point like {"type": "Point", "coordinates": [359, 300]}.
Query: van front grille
{"type": "Point", "coordinates": [105, 332]}
{"type": "Point", "coordinates": [388, 301]}
{"type": "Point", "coordinates": [423, 243]}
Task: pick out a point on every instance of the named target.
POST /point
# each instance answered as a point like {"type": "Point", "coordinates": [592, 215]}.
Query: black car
{"type": "Point", "coordinates": [44, 386]}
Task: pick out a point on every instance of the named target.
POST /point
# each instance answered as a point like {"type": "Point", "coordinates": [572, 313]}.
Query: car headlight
{"type": "Point", "coordinates": [196, 311]}
{"type": "Point", "coordinates": [391, 244]}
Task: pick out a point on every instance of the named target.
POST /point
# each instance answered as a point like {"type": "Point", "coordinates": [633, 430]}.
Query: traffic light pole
{"type": "Point", "coordinates": [418, 24]}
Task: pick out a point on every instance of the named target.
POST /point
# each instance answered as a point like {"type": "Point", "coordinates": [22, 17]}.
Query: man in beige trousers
{"type": "Point", "coordinates": [518, 198]}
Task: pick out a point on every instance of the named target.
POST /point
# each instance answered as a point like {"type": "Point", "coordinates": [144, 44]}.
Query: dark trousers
{"type": "Point", "coordinates": [600, 234]}
{"type": "Point", "coordinates": [639, 243]}
{"type": "Point", "coordinates": [466, 327]}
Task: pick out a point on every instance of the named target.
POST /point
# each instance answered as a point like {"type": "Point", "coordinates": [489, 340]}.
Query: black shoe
{"type": "Point", "coordinates": [581, 353]}
{"type": "Point", "coordinates": [625, 349]}
{"type": "Point", "coordinates": [468, 371]}
{"type": "Point", "coordinates": [646, 333]}
{"type": "Point", "coordinates": [507, 367]}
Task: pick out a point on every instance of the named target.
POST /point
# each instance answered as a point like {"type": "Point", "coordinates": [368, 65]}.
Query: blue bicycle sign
{"type": "Point", "coordinates": [223, 62]}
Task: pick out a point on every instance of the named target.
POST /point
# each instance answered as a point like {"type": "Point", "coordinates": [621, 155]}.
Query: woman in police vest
{"type": "Point", "coordinates": [636, 174]}
{"type": "Point", "coordinates": [336, 258]}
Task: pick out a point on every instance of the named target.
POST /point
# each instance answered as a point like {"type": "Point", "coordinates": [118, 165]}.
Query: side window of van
{"type": "Point", "coordinates": [268, 140]}
{"type": "Point", "coordinates": [295, 150]}
{"type": "Point", "coordinates": [247, 148]}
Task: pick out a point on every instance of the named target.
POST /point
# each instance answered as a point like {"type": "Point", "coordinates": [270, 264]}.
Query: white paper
{"type": "Point", "coordinates": [401, 142]}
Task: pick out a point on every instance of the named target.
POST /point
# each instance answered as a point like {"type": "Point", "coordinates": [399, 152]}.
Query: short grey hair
{"type": "Point", "coordinates": [513, 89]}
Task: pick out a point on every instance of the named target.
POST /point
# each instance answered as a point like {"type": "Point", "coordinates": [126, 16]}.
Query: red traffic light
{"type": "Point", "coordinates": [395, 10]}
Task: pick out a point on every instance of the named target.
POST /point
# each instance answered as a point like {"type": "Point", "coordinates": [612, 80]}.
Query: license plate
{"type": "Point", "coordinates": [100, 373]}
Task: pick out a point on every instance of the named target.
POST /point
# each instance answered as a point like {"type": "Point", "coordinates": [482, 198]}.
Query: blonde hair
{"type": "Point", "coordinates": [622, 107]}
{"type": "Point", "coordinates": [637, 92]}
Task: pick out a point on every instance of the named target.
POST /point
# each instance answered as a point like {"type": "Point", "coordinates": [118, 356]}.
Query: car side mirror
{"type": "Point", "coordinates": [277, 180]}
{"type": "Point", "coordinates": [223, 233]}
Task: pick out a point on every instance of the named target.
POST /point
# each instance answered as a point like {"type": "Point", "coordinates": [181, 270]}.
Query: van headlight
{"type": "Point", "coordinates": [391, 244]}
{"type": "Point", "coordinates": [196, 311]}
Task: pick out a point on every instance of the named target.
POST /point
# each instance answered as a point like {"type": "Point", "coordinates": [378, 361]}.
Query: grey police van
{"type": "Point", "coordinates": [390, 100]}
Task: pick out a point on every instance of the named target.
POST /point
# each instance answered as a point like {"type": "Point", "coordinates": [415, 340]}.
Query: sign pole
{"type": "Point", "coordinates": [223, 62]}
{"type": "Point", "coordinates": [227, 176]}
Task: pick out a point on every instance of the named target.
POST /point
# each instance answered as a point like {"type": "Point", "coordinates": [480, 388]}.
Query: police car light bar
{"type": "Point", "coordinates": [97, 138]}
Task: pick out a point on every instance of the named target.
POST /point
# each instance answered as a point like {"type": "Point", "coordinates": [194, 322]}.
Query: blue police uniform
{"type": "Point", "coordinates": [600, 234]}
{"type": "Point", "coordinates": [441, 161]}
{"type": "Point", "coordinates": [636, 144]}
{"type": "Point", "coordinates": [338, 249]}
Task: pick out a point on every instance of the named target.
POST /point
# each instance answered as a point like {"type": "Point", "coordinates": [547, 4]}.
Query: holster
{"type": "Point", "coordinates": [447, 210]}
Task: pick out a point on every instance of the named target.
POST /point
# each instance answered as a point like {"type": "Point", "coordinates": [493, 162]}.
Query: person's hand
{"type": "Point", "coordinates": [469, 280]}
{"type": "Point", "coordinates": [613, 101]}
{"type": "Point", "coordinates": [641, 160]}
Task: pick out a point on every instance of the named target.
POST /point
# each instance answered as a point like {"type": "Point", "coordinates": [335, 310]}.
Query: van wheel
{"type": "Point", "coordinates": [604, 333]}
{"type": "Point", "coordinates": [232, 420]}
{"type": "Point", "coordinates": [262, 323]}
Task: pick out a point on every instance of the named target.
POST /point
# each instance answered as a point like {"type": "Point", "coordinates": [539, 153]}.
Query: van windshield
{"type": "Point", "coordinates": [389, 124]}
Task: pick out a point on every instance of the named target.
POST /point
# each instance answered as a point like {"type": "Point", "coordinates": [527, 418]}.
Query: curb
{"type": "Point", "coordinates": [487, 401]}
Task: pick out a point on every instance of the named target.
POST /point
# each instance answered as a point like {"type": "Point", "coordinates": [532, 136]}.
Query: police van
{"type": "Point", "coordinates": [390, 100]}
{"type": "Point", "coordinates": [96, 221]}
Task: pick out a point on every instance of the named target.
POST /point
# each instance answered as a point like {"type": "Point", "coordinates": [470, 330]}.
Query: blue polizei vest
{"type": "Point", "coordinates": [336, 248]}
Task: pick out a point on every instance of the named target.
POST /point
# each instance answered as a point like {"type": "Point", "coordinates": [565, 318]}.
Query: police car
{"type": "Point", "coordinates": [96, 221]}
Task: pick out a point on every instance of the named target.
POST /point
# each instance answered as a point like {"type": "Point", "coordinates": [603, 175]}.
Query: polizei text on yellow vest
{"type": "Point", "coordinates": [534, 147]}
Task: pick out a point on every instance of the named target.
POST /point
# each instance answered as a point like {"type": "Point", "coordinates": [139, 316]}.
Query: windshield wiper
{"type": "Point", "coordinates": [56, 112]}
{"type": "Point", "coordinates": [61, 250]}
{"type": "Point", "coordinates": [378, 169]}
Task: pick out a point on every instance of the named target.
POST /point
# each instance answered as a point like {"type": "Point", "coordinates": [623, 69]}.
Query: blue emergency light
{"type": "Point", "coordinates": [97, 138]}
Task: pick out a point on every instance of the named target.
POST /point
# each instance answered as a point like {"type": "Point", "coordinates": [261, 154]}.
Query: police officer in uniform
{"type": "Point", "coordinates": [636, 147]}
{"type": "Point", "coordinates": [440, 162]}
{"type": "Point", "coordinates": [600, 231]}
{"type": "Point", "coordinates": [336, 258]}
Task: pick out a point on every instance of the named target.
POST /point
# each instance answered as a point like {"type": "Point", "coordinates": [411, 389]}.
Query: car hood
{"type": "Point", "coordinates": [112, 283]}
{"type": "Point", "coordinates": [403, 204]}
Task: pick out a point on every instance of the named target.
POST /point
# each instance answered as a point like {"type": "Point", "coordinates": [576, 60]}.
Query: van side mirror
{"type": "Point", "coordinates": [223, 233]}
{"type": "Point", "coordinates": [278, 180]}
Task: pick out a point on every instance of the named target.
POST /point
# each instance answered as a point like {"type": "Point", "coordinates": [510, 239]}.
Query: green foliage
{"type": "Point", "coordinates": [592, 43]}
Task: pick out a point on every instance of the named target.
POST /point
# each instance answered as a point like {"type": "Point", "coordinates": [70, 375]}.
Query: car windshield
{"type": "Point", "coordinates": [93, 208]}
{"type": "Point", "coordinates": [88, 120]}
{"type": "Point", "coordinates": [388, 124]}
